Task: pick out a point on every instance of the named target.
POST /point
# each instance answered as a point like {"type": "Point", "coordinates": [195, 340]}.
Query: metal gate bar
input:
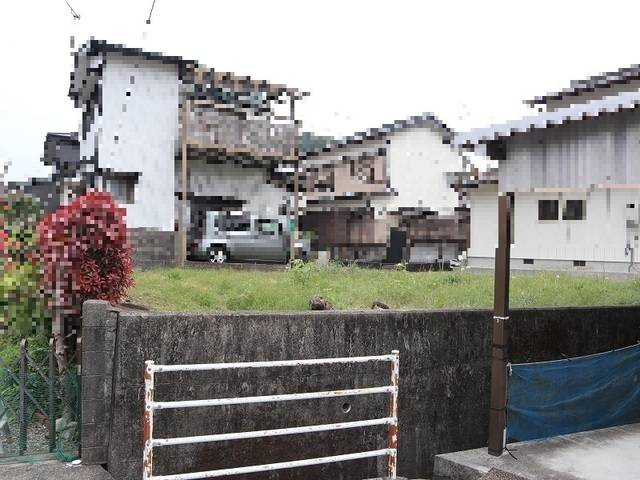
{"type": "Point", "coordinates": [150, 406]}
{"type": "Point", "coordinates": [277, 466]}
{"type": "Point", "coordinates": [221, 437]}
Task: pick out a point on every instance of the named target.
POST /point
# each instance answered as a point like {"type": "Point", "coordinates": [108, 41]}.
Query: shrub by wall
{"type": "Point", "coordinates": [85, 253]}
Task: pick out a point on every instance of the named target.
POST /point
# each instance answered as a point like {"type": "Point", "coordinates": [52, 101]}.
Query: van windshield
{"type": "Point", "coordinates": [226, 222]}
{"type": "Point", "coordinates": [237, 223]}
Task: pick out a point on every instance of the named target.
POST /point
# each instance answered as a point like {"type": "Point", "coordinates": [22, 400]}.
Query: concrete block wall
{"type": "Point", "coordinates": [98, 349]}
{"type": "Point", "coordinates": [152, 248]}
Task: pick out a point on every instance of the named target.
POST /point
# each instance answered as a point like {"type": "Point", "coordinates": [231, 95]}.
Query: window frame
{"type": "Point", "coordinates": [541, 210]}
{"type": "Point", "coordinates": [582, 210]}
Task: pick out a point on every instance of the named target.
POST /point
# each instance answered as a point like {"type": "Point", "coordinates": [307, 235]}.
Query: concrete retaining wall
{"type": "Point", "coordinates": [444, 381]}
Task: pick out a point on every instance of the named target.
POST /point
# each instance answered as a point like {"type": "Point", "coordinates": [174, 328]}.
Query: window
{"type": "Point", "coordinates": [268, 227]}
{"type": "Point", "coordinates": [579, 263]}
{"type": "Point", "coordinates": [235, 222]}
{"type": "Point", "coordinates": [547, 209]}
{"type": "Point", "coordinates": [574, 210]}
{"type": "Point", "coordinates": [122, 189]}
{"type": "Point", "coordinates": [528, 261]}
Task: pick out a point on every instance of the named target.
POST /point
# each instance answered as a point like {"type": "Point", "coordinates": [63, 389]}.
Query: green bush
{"type": "Point", "coordinates": [22, 304]}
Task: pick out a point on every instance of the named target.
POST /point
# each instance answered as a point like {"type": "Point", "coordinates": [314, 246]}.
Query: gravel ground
{"type": "Point", "coordinates": [53, 471]}
{"type": "Point", "coordinates": [37, 440]}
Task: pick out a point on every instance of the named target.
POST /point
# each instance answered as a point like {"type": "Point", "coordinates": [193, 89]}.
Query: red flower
{"type": "Point", "coordinates": [4, 243]}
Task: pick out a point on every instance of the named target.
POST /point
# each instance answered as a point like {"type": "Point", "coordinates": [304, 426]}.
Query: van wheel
{"type": "Point", "coordinates": [218, 254]}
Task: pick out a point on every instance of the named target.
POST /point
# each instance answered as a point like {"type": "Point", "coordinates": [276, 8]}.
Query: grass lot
{"type": "Point", "coordinates": [355, 288]}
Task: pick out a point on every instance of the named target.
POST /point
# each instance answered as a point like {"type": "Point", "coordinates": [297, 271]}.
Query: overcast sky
{"type": "Point", "coordinates": [364, 62]}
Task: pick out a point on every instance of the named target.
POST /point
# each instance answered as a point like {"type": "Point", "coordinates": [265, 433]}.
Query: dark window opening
{"type": "Point", "coordinates": [579, 263]}
{"type": "Point", "coordinates": [547, 209]}
{"type": "Point", "coordinates": [528, 261]}
{"type": "Point", "coordinates": [122, 189]}
{"type": "Point", "coordinates": [574, 210]}
{"type": "Point", "coordinates": [631, 205]}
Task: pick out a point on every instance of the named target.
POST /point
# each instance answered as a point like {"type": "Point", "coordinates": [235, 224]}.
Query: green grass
{"type": "Point", "coordinates": [356, 288]}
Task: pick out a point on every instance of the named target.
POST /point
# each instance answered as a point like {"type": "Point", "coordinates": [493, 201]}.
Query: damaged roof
{"type": "Point", "coordinates": [592, 109]}
{"type": "Point", "coordinates": [189, 69]}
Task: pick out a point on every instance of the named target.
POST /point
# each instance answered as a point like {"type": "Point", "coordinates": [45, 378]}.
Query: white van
{"type": "Point", "coordinates": [237, 235]}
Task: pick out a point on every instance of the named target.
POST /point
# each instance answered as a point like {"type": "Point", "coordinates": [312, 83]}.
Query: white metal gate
{"type": "Point", "coordinates": [152, 405]}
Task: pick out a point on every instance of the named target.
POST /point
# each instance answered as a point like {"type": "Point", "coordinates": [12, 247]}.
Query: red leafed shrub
{"type": "Point", "coordinates": [85, 253]}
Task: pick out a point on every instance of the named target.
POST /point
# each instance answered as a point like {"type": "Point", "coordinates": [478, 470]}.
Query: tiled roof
{"type": "Point", "coordinates": [425, 119]}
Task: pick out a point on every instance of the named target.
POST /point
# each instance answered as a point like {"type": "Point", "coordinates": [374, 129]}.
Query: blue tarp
{"type": "Point", "coordinates": [546, 399]}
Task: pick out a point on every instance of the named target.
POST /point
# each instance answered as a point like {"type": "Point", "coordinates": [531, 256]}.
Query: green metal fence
{"type": "Point", "coordinates": [39, 406]}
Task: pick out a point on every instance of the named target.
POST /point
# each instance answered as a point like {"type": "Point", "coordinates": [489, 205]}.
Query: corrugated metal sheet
{"type": "Point", "coordinates": [595, 108]}
{"type": "Point", "coordinates": [580, 155]}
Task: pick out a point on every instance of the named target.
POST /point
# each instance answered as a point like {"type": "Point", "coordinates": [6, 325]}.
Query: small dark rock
{"type": "Point", "coordinates": [319, 303]}
{"type": "Point", "coordinates": [376, 305]}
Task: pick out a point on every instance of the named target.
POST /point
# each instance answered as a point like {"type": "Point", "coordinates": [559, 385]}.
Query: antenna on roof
{"type": "Point", "coordinates": [150, 12]}
{"type": "Point", "coordinates": [73, 12]}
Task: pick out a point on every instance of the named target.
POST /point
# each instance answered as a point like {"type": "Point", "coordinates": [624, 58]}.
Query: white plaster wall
{"type": "Point", "coordinates": [484, 223]}
{"type": "Point", "coordinates": [146, 124]}
{"type": "Point", "coordinates": [236, 182]}
{"type": "Point", "coordinates": [417, 163]}
{"type": "Point", "coordinates": [600, 237]}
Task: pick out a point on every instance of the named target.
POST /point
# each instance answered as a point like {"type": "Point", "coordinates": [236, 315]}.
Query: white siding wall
{"type": "Point", "coordinates": [236, 182]}
{"type": "Point", "coordinates": [601, 237]}
{"type": "Point", "coordinates": [146, 124]}
{"type": "Point", "coordinates": [417, 163]}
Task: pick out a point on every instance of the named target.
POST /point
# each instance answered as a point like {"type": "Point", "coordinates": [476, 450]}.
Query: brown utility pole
{"type": "Point", "coordinates": [498, 406]}
{"type": "Point", "coordinates": [182, 233]}
{"type": "Point", "coordinates": [293, 236]}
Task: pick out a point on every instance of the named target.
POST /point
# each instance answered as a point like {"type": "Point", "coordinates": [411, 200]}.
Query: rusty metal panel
{"type": "Point", "coordinates": [147, 421]}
